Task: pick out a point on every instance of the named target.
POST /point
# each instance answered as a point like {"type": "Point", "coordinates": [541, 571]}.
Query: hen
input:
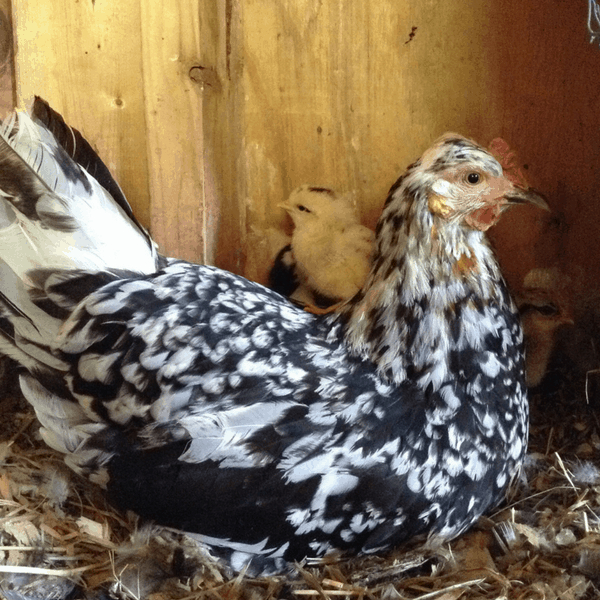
{"type": "Point", "coordinates": [329, 256]}
{"type": "Point", "coordinates": [209, 403]}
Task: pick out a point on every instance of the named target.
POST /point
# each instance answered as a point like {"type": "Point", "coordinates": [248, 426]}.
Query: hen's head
{"type": "Point", "coordinates": [459, 182]}
{"type": "Point", "coordinates": [445, 200]}
{"type": "Point", "coordinates": [431, 257]}
{"type": "Point", "coordinates": [469, 185]}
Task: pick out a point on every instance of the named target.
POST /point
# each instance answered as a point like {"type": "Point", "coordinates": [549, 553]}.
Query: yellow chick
{"type": "Point", "coordinates": [330, 253]}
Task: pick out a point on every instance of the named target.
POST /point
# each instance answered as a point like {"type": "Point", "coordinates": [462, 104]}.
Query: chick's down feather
{"type": "Point", "coordinates": [329, 256]}
{"type": "Point", "coordinates": [209, 403]}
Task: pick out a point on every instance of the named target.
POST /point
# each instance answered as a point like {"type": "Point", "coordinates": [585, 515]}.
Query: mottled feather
{"type": "Point", "coordinates": [209, 403]}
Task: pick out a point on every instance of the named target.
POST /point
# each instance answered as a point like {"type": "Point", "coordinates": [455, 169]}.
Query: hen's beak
{"type": "Point", "coordinates": [508, 195]}
{"type": "Point", "coordinates": [517, 195]}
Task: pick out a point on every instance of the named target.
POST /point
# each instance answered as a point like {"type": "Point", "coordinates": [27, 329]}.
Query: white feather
{"type": "Point", "coordinates": [101, 235]}
{"type": "Point", "coordinates": [219, 436]}
{"type": "Point", "coordinates": [67, 427]}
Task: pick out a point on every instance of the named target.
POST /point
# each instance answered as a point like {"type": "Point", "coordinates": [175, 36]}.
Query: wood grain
{"type": "Point", "coordinates": [210, 113]}
{"type": "Point", "coordinates": [7, 92]}
{"type": "Point", "coordinates": [173, 101]}
{"type": "Point", "coordinates": [347, 93]}
{"type": "Point", "coordinates": [85, 59]}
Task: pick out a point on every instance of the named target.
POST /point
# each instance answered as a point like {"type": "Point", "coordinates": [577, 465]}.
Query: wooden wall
{"type": "Point", "coordinates": [209, 113]}
{"type": "Point", "coordinates": [123, 73]}
{"type": "Point", "coordinates": [342, 94]}
{"type": "Point", "coordinates": [6, 59]}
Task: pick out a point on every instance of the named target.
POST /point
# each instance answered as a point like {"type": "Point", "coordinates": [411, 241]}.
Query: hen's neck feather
{"type": "Point", "coordinates": [433, 283]}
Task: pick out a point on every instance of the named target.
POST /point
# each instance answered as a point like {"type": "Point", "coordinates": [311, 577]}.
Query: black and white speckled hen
{"type": "Point", "coordinates": [209, 403]}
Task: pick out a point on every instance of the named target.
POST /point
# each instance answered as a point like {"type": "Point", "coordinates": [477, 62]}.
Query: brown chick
{"type": "Point", "coordinates": [545, 306]}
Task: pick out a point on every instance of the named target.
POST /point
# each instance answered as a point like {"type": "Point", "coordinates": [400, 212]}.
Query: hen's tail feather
{"type": "Point", "coordinates": [59, 292]}
{"type": "Point", "coordinates": [55, 214]}
{"type": "Point", "coordinates": [67, 428]}
{"type": "Point", "coordinates": [57, 223]}
{"type": "Point", "coordinates": [80, 150]}
{"type": "Point", "coordinates": [25, 329]}
{"type": "Point", "coordinates": [66, 230]}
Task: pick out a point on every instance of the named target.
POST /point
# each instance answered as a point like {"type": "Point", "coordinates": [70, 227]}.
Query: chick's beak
{"type": "Point", "coordinates": [518, 195]}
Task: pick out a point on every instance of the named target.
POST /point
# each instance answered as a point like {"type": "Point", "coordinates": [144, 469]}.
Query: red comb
{"type": "Point", "coordinates": [508, 160]}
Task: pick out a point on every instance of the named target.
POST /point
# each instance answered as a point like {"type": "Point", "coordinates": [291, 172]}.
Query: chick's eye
{"type": "Point", "coordinates": [303, 208]}
{"type": "Point", "coordinates": [473, 178]}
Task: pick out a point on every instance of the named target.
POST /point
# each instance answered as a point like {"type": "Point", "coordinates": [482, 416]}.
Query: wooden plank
{"type": "Point", "coordinates": [85, 58]}
{"type": "Point", "coordinates": [7, 92]}
{"type": "Point", "coordinates": [176, 78]}
{"type": "Point", "coordinates": [549, 96]}
{"type": "Point", "coordinates": [224, 121]}
{"type": "Point", "coordinates": [347, 93]}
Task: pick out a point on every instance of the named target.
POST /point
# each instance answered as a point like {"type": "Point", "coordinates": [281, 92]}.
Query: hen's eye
{"type": "Point", "coordinates": [303, 208]}
{"type": "Point", "coordinates": [473, 178]}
